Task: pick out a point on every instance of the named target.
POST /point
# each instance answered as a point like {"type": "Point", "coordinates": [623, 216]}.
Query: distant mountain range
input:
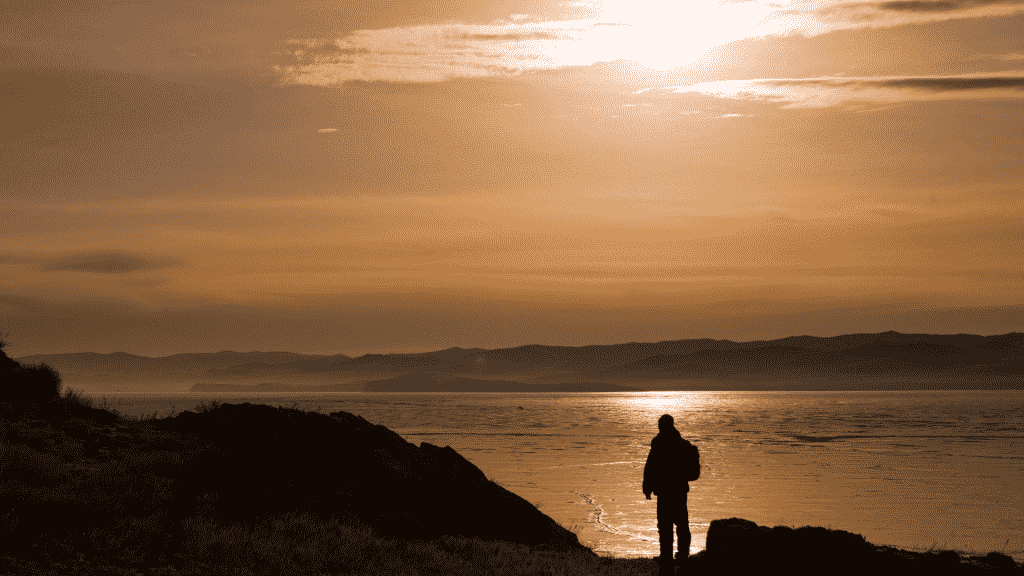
{"type": "Point", "coordinates": [420, 382]}
{"type": "Point", "coordinates": [440, 382]}
{"type": "Point", "coordinates": [123, 364]}
{"type": "Point", "coordinates": [890, 356]}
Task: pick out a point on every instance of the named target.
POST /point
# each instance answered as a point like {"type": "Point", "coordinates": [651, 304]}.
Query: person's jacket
{"type": "Point", "coordinates": [664, 472]}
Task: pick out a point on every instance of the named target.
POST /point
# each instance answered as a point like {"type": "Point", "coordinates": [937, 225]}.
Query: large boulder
{"type": "Point", "coordinates": [740, 545]}
{"type": "Point", "coordinates": [736, 537]}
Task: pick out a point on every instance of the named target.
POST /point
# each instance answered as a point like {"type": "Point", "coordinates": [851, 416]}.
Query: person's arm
{"type": "Point", "coordinates": [649, 473]}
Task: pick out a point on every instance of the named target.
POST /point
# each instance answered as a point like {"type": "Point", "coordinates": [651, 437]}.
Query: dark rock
{"type": "Point", "coordinates": [735, 534]}
{"type": "Point", "coordinates": [744, 541]}
{"type": "Point", "coordinates": [258, 460]}
{"type": "Point", "coordinates": [822, 544]}
{"type": "Point", "coordinates": [941, 562]}
{"type": "Point", "coordinates": [996, 560]}
{"type": "Point", "coordinates": [736, 545]}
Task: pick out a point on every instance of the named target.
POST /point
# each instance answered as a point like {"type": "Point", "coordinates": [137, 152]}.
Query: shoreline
{"type": "Point", "coordinates": [126, 436]}
{"type": "Point", "coordinates": [481, 451]}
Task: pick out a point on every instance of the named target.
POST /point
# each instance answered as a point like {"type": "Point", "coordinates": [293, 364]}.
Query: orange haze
{"type": "Point", "coordinates": [319, 177]}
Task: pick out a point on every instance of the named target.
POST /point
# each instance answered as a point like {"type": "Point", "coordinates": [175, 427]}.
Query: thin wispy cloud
{"type": "Point", "coordinates": [941, 5]}
{"type": "Point", "coordinates": [106, 263]}
{"type": "Point", "coordinates": [664, 38]}
{"type": "Point", "coordinates": [836, 91]}
{"type": "Point", "coordinates": [422, 53]}
{"type": "Point", "coordinates": [1004, 57]}
{"type": "Point", "coordinates": [933, 84]}
{"type": "Point", "coordinates": [843, 15]}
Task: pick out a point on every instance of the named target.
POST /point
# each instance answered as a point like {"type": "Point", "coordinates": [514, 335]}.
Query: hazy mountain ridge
{"type": "Point", "coordinates": [122, 363]}
{"type": "Point", "coordinates": [851, 356]}
{"type": "Point", "coordinates": [437, 382]}
{"type": "Point", "coordinates": [889, 354]}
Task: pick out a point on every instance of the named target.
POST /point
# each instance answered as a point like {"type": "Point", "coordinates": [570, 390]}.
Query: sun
{"type": "Point", "coordinates": [664, 36]}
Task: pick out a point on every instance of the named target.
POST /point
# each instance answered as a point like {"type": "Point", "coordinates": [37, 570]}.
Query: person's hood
{"type": "Point", "coordinates": [664, 435]}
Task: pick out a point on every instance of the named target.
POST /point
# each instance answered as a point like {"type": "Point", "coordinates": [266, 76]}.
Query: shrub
{"type": "Point", "coordinates": [77, 397]}
{"type": "Point", "coordinates": [22, 385]}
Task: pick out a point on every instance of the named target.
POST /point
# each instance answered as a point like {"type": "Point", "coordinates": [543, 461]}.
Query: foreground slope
{"type": "Point", "coordinates": [289, 460]}
{"type": "Point", "coordinates": [256, 490]}
{"type": "Point", "coordinates": [245, 463]}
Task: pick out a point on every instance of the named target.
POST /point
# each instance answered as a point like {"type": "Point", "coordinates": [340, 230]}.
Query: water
{"type": "Point", "coordinates": [918, 470]}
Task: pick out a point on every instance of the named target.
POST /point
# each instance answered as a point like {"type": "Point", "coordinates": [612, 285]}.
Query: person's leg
{"type": "Point", "coordinates": [665, 525]}
{"type": "Point", "coordinates": [682, 521]}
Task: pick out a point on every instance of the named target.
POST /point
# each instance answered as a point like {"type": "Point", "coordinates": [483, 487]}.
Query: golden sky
{"type": "Point", "coordinates": [405, 176]}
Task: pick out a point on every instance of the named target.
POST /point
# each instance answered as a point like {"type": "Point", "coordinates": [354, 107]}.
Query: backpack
{"type": "Point", "coordinates": [691, 461]}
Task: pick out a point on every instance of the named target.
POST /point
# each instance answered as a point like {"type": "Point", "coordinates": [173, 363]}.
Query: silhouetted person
{"type": "Point", "coordinates": [671, 465]}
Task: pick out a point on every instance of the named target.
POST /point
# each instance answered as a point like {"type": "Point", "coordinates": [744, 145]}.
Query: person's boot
{"type": "Point", "coordinates": [665, 560]}
{"type": "Point", "coordinates": [665, 547]}
{"type": "Point", "coordinates": [684, 547]}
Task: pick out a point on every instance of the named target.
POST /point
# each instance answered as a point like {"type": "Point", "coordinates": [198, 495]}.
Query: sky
{"type": "Point", "coordinates": [351, 177]}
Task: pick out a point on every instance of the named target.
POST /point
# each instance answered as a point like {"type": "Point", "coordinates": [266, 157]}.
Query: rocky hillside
{"type": "Point", "coordinates": [257, 460]}
{"type": "Point", "coordinates": [124, 489]}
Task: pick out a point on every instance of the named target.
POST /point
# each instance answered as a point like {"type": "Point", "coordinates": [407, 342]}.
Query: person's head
{"type": "Point", "coordinates": [666, 423]}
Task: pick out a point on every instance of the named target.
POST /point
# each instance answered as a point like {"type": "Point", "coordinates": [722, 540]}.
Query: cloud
{"type": "Point", "coordinates": [320, 50]}
{"type": "Point", "coordinates": [835, 91]}
{"type": "Point", "coordinates": [902, 12]}
{"type": "Point", "coordinates": [514, 37]}
{"type": "Point", "coordinates": [933, 84]}
{"type": "Point", "coordinates": [956, 242]}
{"type": "Point", "coordinates": [106, 263]}
{"type": "Point", "coordinates": [929, 6]}
{"type": "Point", "coordinates": [399, 322]}
{"type": "Point", "coordinates": [1003, 57]}
{"type": "Point", "coordinates": [988, 274]}
{"type": "Point", "coordinates": [21, 259]}
{"type": "Point", "coordinates": [425, 53]}
{"type": "Point", "coordinates": [860, 271]}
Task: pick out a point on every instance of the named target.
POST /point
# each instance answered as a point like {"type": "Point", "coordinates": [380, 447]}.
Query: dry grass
{"type": "Point", "coordinates": [302, 545]}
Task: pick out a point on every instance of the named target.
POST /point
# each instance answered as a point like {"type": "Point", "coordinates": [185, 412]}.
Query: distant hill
{"type": "Point", "coordinates": [417, 382]}
{"type": "Point", "coordinates": [867, 359]}
{"type": "Point", "coordinates": [300, 364]}
{"type": "Point", "coordinates": [123, 364]}
{"type": "Point", "coordinates": [438, 382]}
{"type": "Point", "coordinates": [270, 387]}
{"type": "Point", "coordinates": [888, 355]}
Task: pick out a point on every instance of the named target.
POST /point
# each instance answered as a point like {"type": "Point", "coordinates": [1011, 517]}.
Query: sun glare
{"type": "Point", "coordinates": [657, 36]}
{"type": "Point", "coordinates": [669, 35]}
{"type": "Point", "coordinates": [664, 402]}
